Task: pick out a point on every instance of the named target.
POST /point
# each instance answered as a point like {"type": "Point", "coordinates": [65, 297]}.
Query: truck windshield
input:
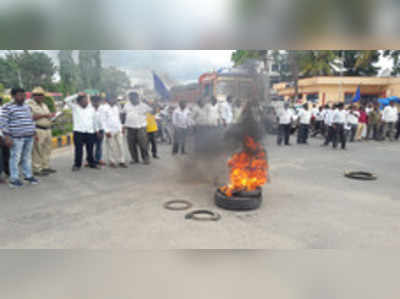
{"type": "Point", "coordinates": [226, 88]}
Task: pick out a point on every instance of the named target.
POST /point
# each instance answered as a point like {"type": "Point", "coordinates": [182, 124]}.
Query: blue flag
{"type": "Point", "coordinates": [160, 87]}
{"type": "Point", "coordinates": [357, 97]}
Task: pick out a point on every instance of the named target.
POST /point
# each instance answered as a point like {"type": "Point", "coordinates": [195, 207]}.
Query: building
{"type": "Point", "coordinates": [331, 89]}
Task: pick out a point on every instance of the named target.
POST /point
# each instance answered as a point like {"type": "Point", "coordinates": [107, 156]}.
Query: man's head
{"type": "Point", "coordinates": [182, 104]}
{"type": "Point", "coordinates": [213, 101]}
{"type": "Point", "coordinates": [327, 107]}
{"type": "Point", "coordinates": [201, 102]}
{"type": "Point", "coordinates": [229, 99]}
{"type": "Point", "coordinates": [1, 101]}
{"type": "Point", "coordinates": [112, 101]}
{"type": "Point", "coordinates": [305, 107]}
{"type": "Point", "coordinates": [340, 106]}
{"type": "Point", "coordinates": [314, 106]}
{"type": "Point", "coordinates": [82, 100]}
{"type": "Point", "coordinates": [320, 108]}
{"type": "Point", "coordinates": [286, 105]}
{"type": "Point", "coordinates": [96, 101]}
{"type": "Point", "coordinates": [38, 94]}
{"type": "Point", "coordinates": [391, 103]}
{"type": "Point", "coordinates": [134, 98]}
{"type": "Point", "coordinates": [18, 95]}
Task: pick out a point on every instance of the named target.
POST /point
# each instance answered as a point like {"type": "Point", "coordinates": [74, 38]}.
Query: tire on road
{"type": "Point", "coordinates": [360, 175]}
{"type": "Point", "coordinates": [239, 203]}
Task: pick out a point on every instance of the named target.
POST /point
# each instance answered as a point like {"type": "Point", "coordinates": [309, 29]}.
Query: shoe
{"type": "Point", "coordinates": [156, 157]}
{"type": "Point", "coordinates": [86, 164]}
{"type": "Point", "coordinates": [32, 181]}
{"type": "Point", "coordinates": [123, 165]}
{"type": "Point", "coordinates": [76, 168]}
{"type": "Point", "coordinates": [95, 167]}
{"type": "Point", "coordinates": [15, 184]}
{"type": "Point", "coordinates": [112, 165]}
{"type": "Point", "coordinates": [41, 173]}
{"type": "Point", "coordinates": [134, 162]}
{"type": "Point", "coordinates": [49, 170]}
{"type": "Point", "coordinates": [147, 162]}
{"type": "Point", "coordinates": [2, 181]}
{"type": "Point", "coordinates": [102, 163]}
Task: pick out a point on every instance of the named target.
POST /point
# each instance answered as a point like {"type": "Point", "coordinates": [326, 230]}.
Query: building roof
{"type": "Point", "coordinates": [334, 80]}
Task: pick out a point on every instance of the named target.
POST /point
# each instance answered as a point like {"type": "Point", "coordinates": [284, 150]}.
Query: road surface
{"type": "Point", "coordinates": [308, 204]}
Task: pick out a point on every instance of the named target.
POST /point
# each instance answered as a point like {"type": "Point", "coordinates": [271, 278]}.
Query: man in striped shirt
{"type": "Point", "coordinates": [18, 128]}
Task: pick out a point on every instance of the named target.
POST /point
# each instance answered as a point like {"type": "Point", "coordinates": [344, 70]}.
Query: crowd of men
{"type": "Point", "coordinates": [339, 124]}
{"type": "Point", "coordinates": [100, 130]}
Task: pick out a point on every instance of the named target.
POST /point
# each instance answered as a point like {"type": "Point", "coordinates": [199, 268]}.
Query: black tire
{"type": "Point", "coordinates": [171, 205]}
{"type": "Point", "coordinates": [361, 175]}
{"type": "Point", "coordinates": [236, 203]}
{"type": "Point", "coordinates": [212, 216]}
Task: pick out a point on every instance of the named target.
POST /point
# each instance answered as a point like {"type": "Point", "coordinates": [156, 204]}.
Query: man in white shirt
{"type": "Point", "coordinates": [329, 130]}
{"type": "Point", "coordinates": [304, 118]}
{"type": "Point", "coordinates": [314, 112]}
{"type": "Point", "coordinates": [135, 115]}
{"type": "Point", "coordinates": [226, 111]}
{"type": "Point", "coordinates": [180, 121]}
{"type": "Point", "coordinates": [113, 134]}
{"type": "Point", "coordinates": [352, 119]}
{"type": "Point", "coordinates": [390, 115]}
{"type": "Point", "coordinates": [213, 113]}
{"type": "Point", "coordinates": [285, 118]}
{"type": "Point", "coordinates": [319, 122]}
{"type": "Point", "coordinates": [84, 127]}
{"type": "Point", "coordinates": [338, 123]}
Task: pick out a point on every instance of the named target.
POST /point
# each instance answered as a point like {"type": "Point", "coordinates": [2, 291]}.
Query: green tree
{"type": "Point", "coordinates": [361, 63]}
{"type": "Point", "coordinates": [395, 56]}
{"type": "Point", "coordinates": [27, 69]}
{"type": "Point", "coordinates": [240, 56]}
{"type": "Point", "coordinates": [90, 69]}
{"type": "Point", "coordinates": [318, 63]}
{"type": "Point", "coordinates": [36, 69]}
{"type": "Point", "coordinates": [68, 72]}
{"type": "Point", "coordinates": [114, 82]}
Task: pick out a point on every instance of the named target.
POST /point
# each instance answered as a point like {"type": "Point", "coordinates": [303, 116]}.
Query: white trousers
{"type": "Point", "coordinates": [115, 148]}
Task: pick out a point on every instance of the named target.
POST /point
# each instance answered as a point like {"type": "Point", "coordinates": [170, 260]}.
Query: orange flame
{"type": "Point", "coordinates": [248, 169]}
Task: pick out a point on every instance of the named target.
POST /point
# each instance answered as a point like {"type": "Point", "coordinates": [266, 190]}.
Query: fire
{"type": "Point", "coordinates": [248, 169]}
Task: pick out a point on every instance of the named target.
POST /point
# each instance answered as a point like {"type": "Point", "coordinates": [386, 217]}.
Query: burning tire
{"type": "Point", "coordinates": [241, 201]}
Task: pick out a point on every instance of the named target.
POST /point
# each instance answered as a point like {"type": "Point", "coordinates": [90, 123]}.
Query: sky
{"type": "Point", "coordinates": [181, 65]}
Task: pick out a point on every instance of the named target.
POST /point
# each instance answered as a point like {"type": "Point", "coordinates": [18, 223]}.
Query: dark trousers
{"type": "Point", "coordinates": [353, 132]}
{"type": "Point", "coordinates": [302, 135]}
{"type": "Point", "coordinates": [138, 138]}
{"type": "Point", "coordinates": [331, 133]}
{"type": "Point", "coordinates": [80, 140]}
{"type": "Point", "coordinates": [397, 130]}
{"type": "Point", "coordinates": [179, 140]}
{"type": "Point", "coordinates": [4, 159]}
{"type": "Point", "coordinates": [1, 161]}
{"type": "Point", "coordinates": [283, 134]}
{"type": "Point", "coordinates": [152, 140]}
{"type": "Point", "coordinates": [339, 136]}
{"type": "Point", "coordinates": [98, 148]}
{"type": "Point", "coordinates": [318, 128]}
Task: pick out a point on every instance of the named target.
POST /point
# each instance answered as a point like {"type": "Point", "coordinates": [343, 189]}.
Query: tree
{"type": "Point", "coordinates": [361, 63]}
{"type": "Point", "coordinates": [68, 72]}
{"type": "Point", "coordinates": [240, 56]}
{"type": "Point", "coordinates": [114, 82]}
{"type": "Point", "coordinates": [27, 69]}
{"type": "Point", "coordinates": [395, 56]}
{"type": "Point", "coordinates": [317, 63]}
{"type": "Point", "coordinates": [90, 69]}
{"type": "Point", "coordinates": [36, 69]}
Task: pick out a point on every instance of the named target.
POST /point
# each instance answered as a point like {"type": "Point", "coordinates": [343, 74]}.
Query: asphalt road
{"type": "Point", "coordinates": [307, 204]}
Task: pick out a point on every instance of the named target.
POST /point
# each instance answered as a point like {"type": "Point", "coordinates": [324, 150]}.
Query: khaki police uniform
{"type": "Point", "coordinates": [43, 145]}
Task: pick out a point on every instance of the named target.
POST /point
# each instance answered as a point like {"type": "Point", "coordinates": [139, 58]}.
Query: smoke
{"type": "Point", "coordinates": [212, 148]}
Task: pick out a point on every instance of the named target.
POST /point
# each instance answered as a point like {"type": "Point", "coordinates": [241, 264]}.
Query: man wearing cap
{"type": "Point", "coordinates": [43, 143]}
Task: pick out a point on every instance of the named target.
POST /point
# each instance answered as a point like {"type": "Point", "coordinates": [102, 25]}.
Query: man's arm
{"type": "Point", "coordinates": [71, 101]}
